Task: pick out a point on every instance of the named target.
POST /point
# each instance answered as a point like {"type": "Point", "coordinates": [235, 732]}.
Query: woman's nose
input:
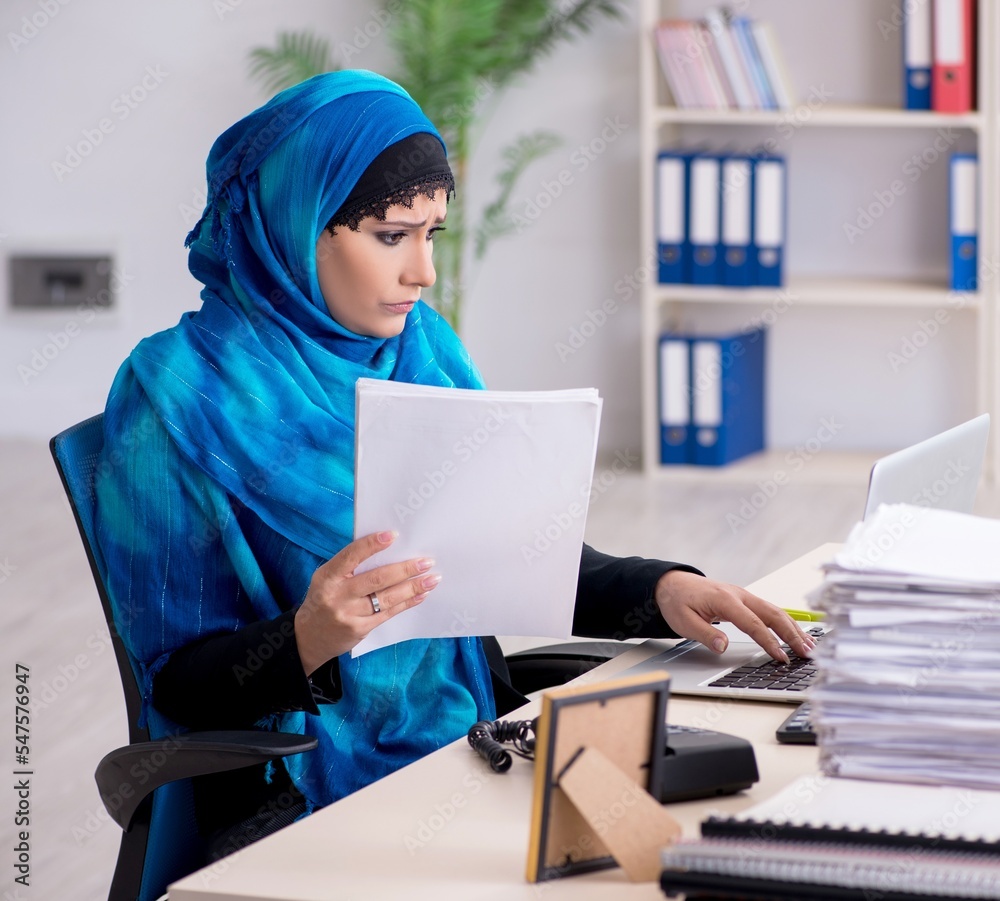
{"type": "Point", "coordinates": [420, 265]}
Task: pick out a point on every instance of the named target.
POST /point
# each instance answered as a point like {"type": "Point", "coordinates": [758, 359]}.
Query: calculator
{"type": "Point", "coordinates": [797, 728]}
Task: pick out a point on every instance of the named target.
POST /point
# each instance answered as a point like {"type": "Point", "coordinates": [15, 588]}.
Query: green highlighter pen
{"type": "Point", "coordinates": [810, 616]}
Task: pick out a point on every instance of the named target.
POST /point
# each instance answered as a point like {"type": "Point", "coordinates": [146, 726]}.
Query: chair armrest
{"type": "Point", "coordinates": [127, 775]}
{"type": "Point", "coordinates": [551, 665]}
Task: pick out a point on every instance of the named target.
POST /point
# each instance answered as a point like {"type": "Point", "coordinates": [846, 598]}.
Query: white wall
{"type": "Point", "coordinates": [137, 193]}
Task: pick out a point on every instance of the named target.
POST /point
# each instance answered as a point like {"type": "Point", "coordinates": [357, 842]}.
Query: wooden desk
{"type": "Point", "coordinates": [446, 827]}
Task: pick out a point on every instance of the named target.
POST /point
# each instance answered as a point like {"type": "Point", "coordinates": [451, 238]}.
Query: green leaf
{"type": "Point", "coordinates": [296, 57]}
{"type": "Point", "coordinates": [497, 221]}
{"type": "Point", "coordinates": [455, 57]}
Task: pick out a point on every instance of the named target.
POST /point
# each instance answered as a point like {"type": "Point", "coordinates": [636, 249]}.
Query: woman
{"type": "Point", "coordinates": [227, 531]}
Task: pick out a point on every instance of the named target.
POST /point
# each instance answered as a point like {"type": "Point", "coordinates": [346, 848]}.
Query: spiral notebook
{"type": "Point", "coordinates": [828, 837]}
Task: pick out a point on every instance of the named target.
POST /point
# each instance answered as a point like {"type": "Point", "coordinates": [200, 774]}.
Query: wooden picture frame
{"type": "Point", "coordinates": [624, 721]}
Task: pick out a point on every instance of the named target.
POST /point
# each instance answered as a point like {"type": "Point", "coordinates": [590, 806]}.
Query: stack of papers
{"type": "Point", "coordinates": [494, 486]}
{"type": "Point", "coordinates": [909, 679]}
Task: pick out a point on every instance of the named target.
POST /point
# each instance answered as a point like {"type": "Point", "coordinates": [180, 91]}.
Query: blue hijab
{"type": "Point", "coordinates": [228, 469]}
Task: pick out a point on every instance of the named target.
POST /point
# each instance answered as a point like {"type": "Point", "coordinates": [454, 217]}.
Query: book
{"type": "Point", "coordinates": [712, 396]}
{"type": "Point", "coordinates": [953, 72]}
{"type": "Point", "coordinates": [679, 76]}
{"type": "Point", "coordinates": [835, 838]}
{"type": "Point", "coordinates": [723, 62]}
{"type": "Point", "coordinates": [773, 62]}
{"type": "Point", "coordinates": [494, 486]}
{"type": "Point", "coordinates": [918, 56]}
{"type": "Point", "coordinates": [964, 221]}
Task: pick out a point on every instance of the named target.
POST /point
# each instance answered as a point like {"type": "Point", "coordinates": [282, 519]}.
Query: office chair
{"type": "Point", "coordinates": [544, 667]}
{"type": "Point", "coordinates": [146, 785]}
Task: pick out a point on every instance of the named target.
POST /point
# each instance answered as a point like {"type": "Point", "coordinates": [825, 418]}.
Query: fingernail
{"type": "Point", "coordinates": [386, 537]}
{"type": "Point", "coordinates": [782, 656]}
{"type": "Point", "coordinates": [424, 564]}
{"type": "Point", "coordinates": [429, 582]}
{"type": "Point", "coordinates": [419, 597]}
{"type": "Point", "coordinates": [719, 644]}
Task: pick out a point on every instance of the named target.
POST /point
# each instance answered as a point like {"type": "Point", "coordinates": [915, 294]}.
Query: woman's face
{"type": "Point", "coordinates": [372, 277]}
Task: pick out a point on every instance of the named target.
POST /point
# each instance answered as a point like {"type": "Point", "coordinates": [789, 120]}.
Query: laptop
{"type": "Point", "coordinates": [942, 471]}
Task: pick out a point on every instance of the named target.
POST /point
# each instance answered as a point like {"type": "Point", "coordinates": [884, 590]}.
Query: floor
{"type": "Point", "coordinates": [51, 622]}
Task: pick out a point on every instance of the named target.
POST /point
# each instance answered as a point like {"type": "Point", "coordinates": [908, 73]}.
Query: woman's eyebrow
{"type": "Point", "coordinates": [399, 223]}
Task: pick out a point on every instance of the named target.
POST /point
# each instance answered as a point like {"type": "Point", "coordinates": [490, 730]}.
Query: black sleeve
{"type": "Point", "coordinates": [615, 597]}
{"type": "Point", "coordinates": [232, 680]}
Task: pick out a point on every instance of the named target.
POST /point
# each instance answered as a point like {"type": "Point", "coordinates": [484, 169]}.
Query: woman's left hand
{"type": "Point", "coordinates": [689, 603]}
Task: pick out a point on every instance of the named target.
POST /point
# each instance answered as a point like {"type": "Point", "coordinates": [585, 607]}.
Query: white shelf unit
{"type": "Point", "coordinates": [857, 295]}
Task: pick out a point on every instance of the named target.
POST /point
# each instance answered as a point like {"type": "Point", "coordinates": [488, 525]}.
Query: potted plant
{"type": "Point", "coordinates": [455, 58]}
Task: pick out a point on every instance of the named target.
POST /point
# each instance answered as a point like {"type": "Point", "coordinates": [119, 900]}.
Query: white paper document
{"type": "Point", "coordinates": [494, 486]}
{"type": "Point", "coordinates": [909, 677]}
{"type": "Point", "coordinates": [923, 542]}
{"type": "Point", "coordinates": [842, 803]}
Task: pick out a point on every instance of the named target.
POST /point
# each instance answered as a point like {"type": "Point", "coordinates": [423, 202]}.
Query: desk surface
{"type": "Point", "coordinates": [447, 827]}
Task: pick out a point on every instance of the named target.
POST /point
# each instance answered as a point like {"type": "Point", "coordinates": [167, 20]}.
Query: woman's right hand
{"type": "Point", "coordinates": [338, 611]}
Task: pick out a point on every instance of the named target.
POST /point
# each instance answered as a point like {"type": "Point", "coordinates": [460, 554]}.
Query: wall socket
{"type": "Point", "coordinates": [57, 282]}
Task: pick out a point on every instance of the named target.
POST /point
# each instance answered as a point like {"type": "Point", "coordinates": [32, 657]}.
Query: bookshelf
{"type": "Point", "coordinates": [831, 291]}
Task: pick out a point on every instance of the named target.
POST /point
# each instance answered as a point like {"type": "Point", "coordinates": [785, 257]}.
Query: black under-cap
{"type": "Point", "coordinates": [415, 165]}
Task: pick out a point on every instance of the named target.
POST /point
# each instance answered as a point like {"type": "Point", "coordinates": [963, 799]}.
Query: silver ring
{"type": "Point", "coordinates": [376, 606]}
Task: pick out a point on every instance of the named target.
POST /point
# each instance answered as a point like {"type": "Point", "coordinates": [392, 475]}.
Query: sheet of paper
{"type": "Point", "coordinates": [494, 485]}
{"type": "Point", "coordinates": [860, 804]}
{"type": "Point", "coordinates": [920, 541]}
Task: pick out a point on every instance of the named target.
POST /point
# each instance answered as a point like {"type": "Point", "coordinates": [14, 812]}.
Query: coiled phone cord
{"type": "Point", "coordinates": [485, 737]}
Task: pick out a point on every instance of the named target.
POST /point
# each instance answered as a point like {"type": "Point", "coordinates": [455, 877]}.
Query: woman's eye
{"type": "Point", "coordinates": [433, 232]}
{"type": "Point", "coordinates": [391, 238]}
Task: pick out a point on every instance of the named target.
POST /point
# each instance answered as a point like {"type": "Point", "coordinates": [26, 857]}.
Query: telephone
{"type": "Point", "coordinates": [699, 763]}
{"type": "Point", "coordinates": [702, 763]}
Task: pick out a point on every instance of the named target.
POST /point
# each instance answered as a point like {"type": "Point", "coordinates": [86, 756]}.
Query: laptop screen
{"type": "Point", "coordinates": [942, 471]}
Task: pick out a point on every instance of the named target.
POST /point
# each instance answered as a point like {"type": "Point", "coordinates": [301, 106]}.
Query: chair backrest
{"type": "Point", "coordinates": [76, 452]}
{"type": "Point", "coordinates": [145, 865]}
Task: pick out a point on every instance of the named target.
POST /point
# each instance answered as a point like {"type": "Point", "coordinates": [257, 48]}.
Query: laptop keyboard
{"type": "Point", "coordinates": [770, 675]}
